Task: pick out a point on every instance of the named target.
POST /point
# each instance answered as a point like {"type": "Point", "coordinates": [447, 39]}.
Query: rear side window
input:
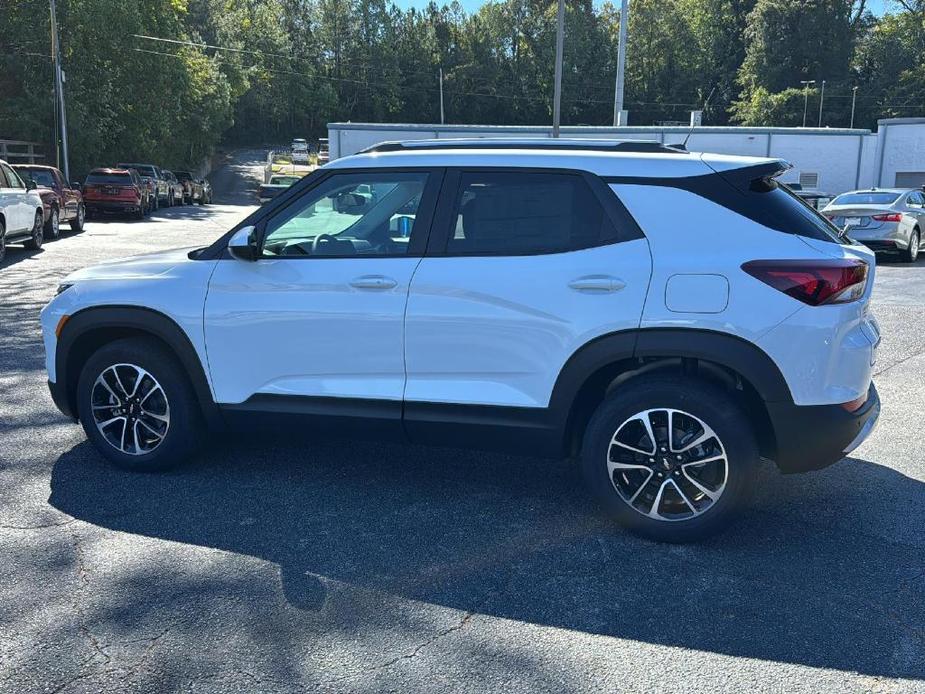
{"type": "Point", "coordinates": [111, 179]}
{"type": "Point", "coordinates": [521, 213]}
{"type": "Point", "coordinates": [780, 208]}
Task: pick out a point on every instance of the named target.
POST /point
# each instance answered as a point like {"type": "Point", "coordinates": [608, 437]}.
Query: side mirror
{"type": "Point", "coordinates": [30, 184]}
{"type": "Point", "coordinates": [243, 244]}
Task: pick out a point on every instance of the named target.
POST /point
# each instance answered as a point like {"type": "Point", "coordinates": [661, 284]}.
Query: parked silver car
{"type": "Point", "coordinates": [883, 219]}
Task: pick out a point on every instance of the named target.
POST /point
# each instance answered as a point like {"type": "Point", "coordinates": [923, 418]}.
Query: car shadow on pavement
{"type": "Point", "coordinates": [17, 254]}
{"type": "Point", "coordinates": [827, 570]}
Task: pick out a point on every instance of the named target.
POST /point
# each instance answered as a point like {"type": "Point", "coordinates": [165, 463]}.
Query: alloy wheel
{"type": "Point", "coordinates": [130, 409]}
{"type": "Point", "coordinates": [667, 464]}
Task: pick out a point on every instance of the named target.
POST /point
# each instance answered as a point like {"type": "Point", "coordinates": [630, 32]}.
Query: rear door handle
{"type": "Point", "coordinates": [597, 284]}
{"type": "Point", "coordinates": [373, 282]}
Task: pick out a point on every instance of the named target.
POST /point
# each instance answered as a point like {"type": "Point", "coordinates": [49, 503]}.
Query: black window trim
{"type": "Point", "coordinates": [625, 226]}
{"type": "Point", "coordinates": [258, 219]}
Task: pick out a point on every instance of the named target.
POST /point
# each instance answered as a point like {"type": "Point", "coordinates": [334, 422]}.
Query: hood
{"type": "Point", "coordinates": [149, 265]}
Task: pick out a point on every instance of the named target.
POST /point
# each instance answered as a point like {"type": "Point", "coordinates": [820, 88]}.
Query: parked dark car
{"type": "Point", "coordinates": [63, 201]}
{"type": "Point", "coordinates": [176, 188]}
{"type": "Point", "coordinates": [161, 183]}
{"type": "Point", "coordinates": [192, 188]}
{"type": "Point", "coordinates": [115, 190]}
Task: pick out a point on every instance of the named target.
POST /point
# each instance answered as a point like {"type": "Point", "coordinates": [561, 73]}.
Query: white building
{"type": "Point", "coordinates": [828, 159]}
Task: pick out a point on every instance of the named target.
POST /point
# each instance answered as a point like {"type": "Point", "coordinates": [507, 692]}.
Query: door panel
{"type": "Point", "coordinates": [497, 331]}
{"type": "Point", "coordinates": [321, 313]}
{"type": "Point", "coordinates": [298, 327]}
{"type": "Point", "coordinates": [494, 316]}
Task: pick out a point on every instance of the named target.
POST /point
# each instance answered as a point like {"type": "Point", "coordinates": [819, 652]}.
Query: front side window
{"type": "Point", "coordinates": [350, 214]}
{"type": "Point", "coordinates": [524, 213]}
{"type": "Point", "coordinates": [14, 180]}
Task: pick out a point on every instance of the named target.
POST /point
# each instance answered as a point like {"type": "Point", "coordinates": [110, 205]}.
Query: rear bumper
{"type": "Point", "coordinates": [111, 206]}
{"type": "Point", "coordinates": [815, 436]}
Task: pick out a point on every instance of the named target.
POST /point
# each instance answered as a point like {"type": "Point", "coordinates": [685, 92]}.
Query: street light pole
{"type": "Point", "coordinates": [557, 97]}
{"type": "Point", "coordinates": [854, 96]}
{"type": "Point", "coordinates": [806, 84]}
{"type": "Point", "coordinates": [821, 99]}
{"type": "Point", "coordinates": [621, 64]}
{"type": "Point", "coordinates": [59, 92]}
{"type": "Point", "coordinates": [441, 97]}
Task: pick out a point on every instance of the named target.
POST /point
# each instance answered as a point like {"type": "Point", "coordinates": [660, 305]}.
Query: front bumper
{"type": "Point", "coordinates": [815, 436]}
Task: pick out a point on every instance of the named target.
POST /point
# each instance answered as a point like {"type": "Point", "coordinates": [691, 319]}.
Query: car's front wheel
{"type": "Point", "coordinates": [137, 406]}
{"type": "Point", "coordinates": [38, 233]}
{"type": "Point", "coordinates": [53, 225]}
{"type": "Point", "coordinates": [2, 241]}
{"type": "Point", "coordinates": [911, 254]}
{"type": "Point", "coordinates": [672, 459]}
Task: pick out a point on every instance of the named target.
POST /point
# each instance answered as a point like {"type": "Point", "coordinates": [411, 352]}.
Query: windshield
{"type": "Point", "coordinates": [141, 169]}
{"type": "Point", "coordinates": [872, 198]}
{"type": "Point", "coordinates": [112, 179]}
{"type": "Point", "coordinates": [41, 177]}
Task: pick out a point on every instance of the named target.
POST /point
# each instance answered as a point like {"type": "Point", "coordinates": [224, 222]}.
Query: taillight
{"type": "Point", "coordinates": [893, 217]}
{"type": "Point", "coordinates": [814, 282]}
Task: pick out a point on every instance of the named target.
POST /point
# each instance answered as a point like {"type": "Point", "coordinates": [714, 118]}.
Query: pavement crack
{"type": "Point", "coordinates": [898, 363]}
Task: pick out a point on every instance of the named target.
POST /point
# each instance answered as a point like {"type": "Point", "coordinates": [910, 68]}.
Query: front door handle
{"type": "Point", "coordinates": [597, 284]}
{"type": "Point", "coordinates": [373, 282]}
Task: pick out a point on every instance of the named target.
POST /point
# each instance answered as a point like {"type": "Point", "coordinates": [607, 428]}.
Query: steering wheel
{"type": "Point", "coordinates": [319, 239]}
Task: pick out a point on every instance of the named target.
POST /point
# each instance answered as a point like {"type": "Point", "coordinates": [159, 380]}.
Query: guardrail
{"type": "Point", "coordinates": [20, 150]}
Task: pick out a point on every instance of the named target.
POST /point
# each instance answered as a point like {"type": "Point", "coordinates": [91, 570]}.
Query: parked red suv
{"type": "Point", "coordinates": [63, 201]}
{"type": "Point", "coordinates": [115, 190]}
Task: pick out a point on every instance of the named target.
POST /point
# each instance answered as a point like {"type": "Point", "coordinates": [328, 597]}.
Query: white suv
{"type": "Point", "coordinates": [22, 215]}
{"type": "Point", "coordinates": [667, 317]}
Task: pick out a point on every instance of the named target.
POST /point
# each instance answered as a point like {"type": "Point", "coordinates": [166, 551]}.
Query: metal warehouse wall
{"type": "Point", "coordinates": [841, 158]}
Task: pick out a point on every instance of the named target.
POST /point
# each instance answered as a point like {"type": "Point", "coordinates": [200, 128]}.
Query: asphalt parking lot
{"type": "Point", "coordinates": [285, 565]}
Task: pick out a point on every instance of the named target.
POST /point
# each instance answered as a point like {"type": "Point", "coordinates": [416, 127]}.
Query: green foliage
{"type": "Point", "coordinates": [263, 71]}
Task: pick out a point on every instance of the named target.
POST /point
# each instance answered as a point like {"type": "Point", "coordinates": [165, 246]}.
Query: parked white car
{"type": "Point", "coordinates": [667, 318]}
{"type": "Point", "coordinates": [21, 213]}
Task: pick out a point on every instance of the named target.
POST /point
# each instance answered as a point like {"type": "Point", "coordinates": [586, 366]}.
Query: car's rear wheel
{"type": "Point", "coordinates": [137, 407]}
{"type": "Point", "coordinates": [38, 233]}
{"type": "Point", "coordinates": [77, 224]}
{"type": "Point", "coordinates": [672, 459]}
{"type": "Point", "coordinates": [2, 241]}
{"type": "Point", "coordinates": [53, 225]}
{"type": "Point", "coordinates": [911, 254]}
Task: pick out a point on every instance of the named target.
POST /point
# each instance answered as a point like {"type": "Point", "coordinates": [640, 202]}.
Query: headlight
{"type": "Point", "coordinates": [63, 287]}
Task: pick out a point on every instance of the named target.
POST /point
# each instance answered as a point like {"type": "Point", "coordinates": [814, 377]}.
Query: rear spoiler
{"type": "Point", "coordinates": [759, 177]}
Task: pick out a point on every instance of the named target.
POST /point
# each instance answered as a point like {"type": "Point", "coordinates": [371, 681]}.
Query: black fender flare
{"type": "Point", "coordinates": [135, 319]}
{"type": "Point", "coordinates": [622, 350]}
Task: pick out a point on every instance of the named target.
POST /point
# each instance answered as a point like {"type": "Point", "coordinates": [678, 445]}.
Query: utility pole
{"type": "Point", "coordinates": [621, 64]}
{"type": "Point", "coordinates": [806, 84]}
{"type": "Point", "coordinates": [59, 92]}
{"type": "Point", "coordinates": [557, 97]}
{"type": "Point", "coordinates": [442, 121]}
{"type": "Point", "coordinates": [854, 96]}
{"type": "Point", "coordinates": [821, 99]}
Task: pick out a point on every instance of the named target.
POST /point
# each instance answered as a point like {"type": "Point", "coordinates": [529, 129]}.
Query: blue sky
{"type": "Point", "coordinates": [876, 6]}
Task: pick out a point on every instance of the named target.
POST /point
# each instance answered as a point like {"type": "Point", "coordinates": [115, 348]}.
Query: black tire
{"type": "Point", "coordinates": [182, 436]}
{"type": "Point", "coordinates": [139, 213]}
{"type": "Point", "coordinates": [52, 228]}
{"type": "Point", "coordinates": [155, 204]}
{"type": "Point", "coordinates": [38, 233]}
{"type": "Point", "coordinates": [702, 399]}
{"type": "Point", "coordinates": [77, 224]}
{"type": "Point", "coordinates": [2, 241]}
{"type": "Point", "coordinates": [911, 254]}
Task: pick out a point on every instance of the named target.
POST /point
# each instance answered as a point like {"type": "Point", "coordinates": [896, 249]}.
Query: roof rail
{"type": "Point", "coordinates": [641, 146]}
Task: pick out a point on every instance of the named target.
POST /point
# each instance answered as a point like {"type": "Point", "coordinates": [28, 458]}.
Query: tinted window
{"type": "Point", "coordinates": [13, 181]}
{"type": "Point", "coordinates": [525, 213]}
{"type": "Point", "coordinates": [111, 179]}
{"type": "Point", "coordinates": [350, 214]}
{"type": "Point", "coordinates": [42, 177]}
{"type": "Point", "coordinates": [782, 208]}
{"type": "Point", "coordinates": [873, 198]}
{"type": "Point", "coordinates": [143, 170]}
